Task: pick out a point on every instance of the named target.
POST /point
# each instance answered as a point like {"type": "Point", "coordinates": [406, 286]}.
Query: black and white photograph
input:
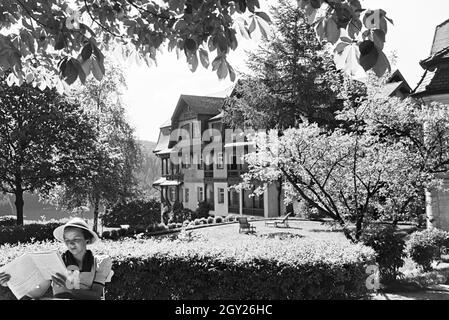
{"type": "Point", "coordinates": [223, 158]}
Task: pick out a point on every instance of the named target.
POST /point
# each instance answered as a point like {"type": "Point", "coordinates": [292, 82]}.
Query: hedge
{"type": "Point", "coordinates": [245, 269]}
{"type": "Point", "coordinates": [28, 232]}
{"type": "Point", "coordinates": [133, 213]}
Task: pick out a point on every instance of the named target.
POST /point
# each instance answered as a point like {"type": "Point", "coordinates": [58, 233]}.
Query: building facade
{"type": "Point", "coordinates": [434, 87]}
{"type": "Point", "coordinates": [208, 164]}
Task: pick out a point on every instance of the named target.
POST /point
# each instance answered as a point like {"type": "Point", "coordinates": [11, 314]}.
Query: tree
{"type": "Point", "coordinates": [374, 168]}
{"type": "Point", "coordinates": [290, 78]}
{"type": "Point", "coordinates": [112, 178]}
{"type": "Point", "coordinates": [44, 141]}
{"type": "Point", "coordinates": [41, 36]}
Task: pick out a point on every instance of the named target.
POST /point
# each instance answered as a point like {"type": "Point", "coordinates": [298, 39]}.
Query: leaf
{"type": "Point", "coordinates": [382, 65]}
{"type": "Point", "coordinates": [263, 27]}
{"type": "Point", "coordinates": [87, 66]}
{"type": "Point", "coordinates": [252, 25]}
{"type": "Point", "coordinates": [264, 16]}
{"type": "Point", "coordinates": [192, 60]}
{"type": "Point", "coordinates": [222, 70]}
{"type": "Point", "coordinates": [96, 70]}
{"type": "Point", "coordinates": [332, 31]}
{"type": "Point", "coordinates": [242, 29]}
{"type": "Point", "coordinates": [204, 58]}
{"type": "Point", "coordinates": [231, 72]}
{"type": "Point", "coordinates": [70, 73]}
{"type": "Point", "coordinates": [354, 27]}
{"type": "Point", "coordinates": [368, 54]}
{"type": "Point", "coordinates": [216, 62]}
{"type": "Point", "coordinates": [211, 44]}
{"type": "Point", "coordinates": [59, 41]}
{"type": "Point", "coordinates": [378, 37]}
{"type": "Point", "coordinates": [81, 73]}
{"type": "Point", "coordinates": [86, 52]}
{"type": "Point", "coordinates": [348, 60]}
{"type": "Point", "coordinates": [190, 45]}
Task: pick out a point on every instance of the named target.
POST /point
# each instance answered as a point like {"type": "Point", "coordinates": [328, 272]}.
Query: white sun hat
{"type": "Point", "coordinates": [58, 233]}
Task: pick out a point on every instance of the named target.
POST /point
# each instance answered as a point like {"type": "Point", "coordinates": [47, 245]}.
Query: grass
{"type": "Point", "coordinates": [297, 229]}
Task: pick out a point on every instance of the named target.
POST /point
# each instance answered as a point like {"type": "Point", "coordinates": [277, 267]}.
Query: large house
{"type": "Point", "coordinates": [434, 87]}
{"type": "Point", "coordinates": [207, 174]}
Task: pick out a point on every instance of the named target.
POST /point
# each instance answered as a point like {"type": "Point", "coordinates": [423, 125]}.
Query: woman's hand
{"type": "Point", "coordinates": [4, 278]}
{"type": "Point", "coordinates": [60, 280]}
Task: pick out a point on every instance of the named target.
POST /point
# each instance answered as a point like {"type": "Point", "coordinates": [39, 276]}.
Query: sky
{"type": "Point", "coordinates": [152, 92]}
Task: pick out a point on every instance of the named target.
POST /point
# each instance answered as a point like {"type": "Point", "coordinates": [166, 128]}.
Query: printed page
{"type": "Point", "coordinates": [25, 275]}
{"type": "Point", "coordinates": [49, 263]}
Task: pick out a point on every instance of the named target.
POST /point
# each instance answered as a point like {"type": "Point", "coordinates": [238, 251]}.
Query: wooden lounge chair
{"type": "Point", "coordinates": [245, 226]}
{"type": "Point", "coordinates": [278, 222]}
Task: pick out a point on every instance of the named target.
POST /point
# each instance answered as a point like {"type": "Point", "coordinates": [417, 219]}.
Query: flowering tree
{"type": "Point", "coordinates": [375, 168]}
{"type": "Point", "coordinates": [68, 38]}
{"type": "Point", "coordinates": [112, 177]}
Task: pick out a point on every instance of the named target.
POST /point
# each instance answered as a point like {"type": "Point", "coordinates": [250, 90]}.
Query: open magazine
{"type": "Point", "coordinates": [31, 269]}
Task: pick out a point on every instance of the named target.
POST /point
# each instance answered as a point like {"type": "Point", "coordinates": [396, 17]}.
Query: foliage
{"type": "Point", "coordinates": [63, 37]}
{"type": "Point", "coordinates": [133, 213]}
{"type": "Point", "coordinates": [210, 220]}
{"type": "Point", "coordinates": [202, 211]}
{"type": "Point", "coordinates": [113, 178]}
{"type": "Point", "coordinates": [27, 233]}
{"type": "Point", "coordinates": [218, 219]}
{"type": "Point", "coordinates": [389, 247]}
{"type": "Point", "coordinates": [426, 246]}
{"type": "Point", "coordinates": [358, 49]}
{"type": "Point", "coordinates": [234, 269]}
{"type": "Point", "coordinates": [45, 140]}
{"type": "Point", "coordinates": [290, 78]}
{"type": "Point", "coordinates": [230, 218]}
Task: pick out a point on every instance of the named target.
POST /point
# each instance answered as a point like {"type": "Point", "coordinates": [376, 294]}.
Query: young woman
{"type": "Point", "coordinates": [89, 273]}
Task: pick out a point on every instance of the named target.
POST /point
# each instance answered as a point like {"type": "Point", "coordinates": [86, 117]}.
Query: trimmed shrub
{"type": "Point", "coordinates": [8, 221]}
{"type": "Point", "coordinates": [210, 220]}
{"type": "Point", "coordinates": [390, 249]}
{"type": "Point", "coordinates": [203, 221]}
{"type": "Point", "coordinates": [133, 213]}
{"type": "Point", "coordinates": [218, 219]}
{"type": "Point", "coordinates": [182, 215]}
{"type": "Point", "coordinates": [27, 233]}
{"type": "Point", "coordinates": [298, 269]}
{"type": "Point", "coordinates": [230, 218]}
{"type": "Point", "coordinates": [203, 210]}
{"type": "Point", "coordinates": [196, 222]}
{"type": "Point", "coordinates": [426, 246]}
{"type": "Point", "coordinates": [178, 225]}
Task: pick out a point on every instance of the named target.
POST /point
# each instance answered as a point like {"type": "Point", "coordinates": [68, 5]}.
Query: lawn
{"type": "Point", "coordinates": [297, 229]}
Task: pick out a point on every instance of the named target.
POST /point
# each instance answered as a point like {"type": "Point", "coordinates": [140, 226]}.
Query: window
{"type": "Point", "coordinates": [221, 192]}
{"type": "Point", "coordinates": [186, 195]}
{"type": "Point", "coordinates": [172, 194]}
{"type": "Point", "coordinates": [220, 160]}
{"type": "Point", "coordinates": [200, 194]}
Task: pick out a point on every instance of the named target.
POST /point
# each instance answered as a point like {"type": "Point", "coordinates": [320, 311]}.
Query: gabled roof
{"type": "Point", "coordinates": [166, 124]}
{"type": "Point", "coordinates": [436, 76]}
{"type": "Point", "coordinates": [441, 38]}
{"type": "Point", "coordinates": [199, 105]}
{"type": "Point", "coordinates": [440, 46]}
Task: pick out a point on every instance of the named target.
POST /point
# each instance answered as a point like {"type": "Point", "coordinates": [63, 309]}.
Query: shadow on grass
{"type": "Point", "coordinates": [280, 235]}
{"type": "Point", "coordinates": [326, 230]}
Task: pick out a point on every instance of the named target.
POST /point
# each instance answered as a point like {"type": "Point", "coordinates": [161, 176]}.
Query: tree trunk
{"type": "Point", "coordinates": [96, 209]}
{"type": "Point", "coordinates": [19, 206]}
